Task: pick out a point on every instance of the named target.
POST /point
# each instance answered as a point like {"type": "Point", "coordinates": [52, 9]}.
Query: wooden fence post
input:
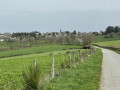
{"type": "Point", "coordinates": [73, 57]}
{"type": "Point", "coordinates": [63, 58]}
{"type": "Point", "coordinates": [69, 57]}
{"type": "Point", "coordinates": [34, 66]}
{"type": "Point", "coordinates": [90, 51]}
{"type": "Point", "coordinates": [52, 70]}
{"type": "Point", "coordinates": [78, 55]}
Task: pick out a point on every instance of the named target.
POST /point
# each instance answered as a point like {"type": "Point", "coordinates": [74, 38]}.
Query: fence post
{"type": "Point", "coordinates": [69, 57]}
{"type": "Point", "coordinates": [73, 57]}
{"type": "Point", "coordinates": [52, 70]}
{"type": "Point", "coordinates": [81, 57]}
{"type": "Point", "coordinates": [34, 66]}
{"type": "Point", "coordinates": [78, 55]}
{"type": "Point", "coordinates": [63, 58]}
{"type": "Point", "coordinates": [90, 51]}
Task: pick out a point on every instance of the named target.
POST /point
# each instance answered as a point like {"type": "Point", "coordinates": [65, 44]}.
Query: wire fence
{"type": "Point", "coordinates": [54, 68]}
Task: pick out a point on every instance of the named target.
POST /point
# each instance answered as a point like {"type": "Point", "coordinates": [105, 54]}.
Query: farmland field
{"type": "Point", "coordinates": [86, 76]}
{"type": "Point", "coordinates": [11, 67]}
{"type": "Point", "coordinates": [109, 43]}
{"type": "Point", "coordinates": [38, 49]}
{"type": "Point", "coordinates": [9, 44]}
{"type": "Point", "coordinates": [100, 38]}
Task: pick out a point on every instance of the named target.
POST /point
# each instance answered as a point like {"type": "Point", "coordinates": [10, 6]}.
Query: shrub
{"type": "Point", "coordinates": [111, 35]}
{"type": "Point", "coordinates": [32, 79]}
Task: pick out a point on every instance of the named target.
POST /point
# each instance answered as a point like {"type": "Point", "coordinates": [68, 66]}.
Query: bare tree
{"type": "Point", "coordinates": [87, 39]}
{"type": "Point", "coordinates": [67, 39]}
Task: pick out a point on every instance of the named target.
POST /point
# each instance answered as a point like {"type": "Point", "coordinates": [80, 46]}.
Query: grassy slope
{"type": "Point", "coordinates": [101, 38]}
{"type": "Point", "coordinates": [101, 41]}
{"type": "Point", "coordinates": [39, 49]}
{"type": "Point", "coordinates": [109, 43]}
{"type": "Point", "coordinates": [86, 76]}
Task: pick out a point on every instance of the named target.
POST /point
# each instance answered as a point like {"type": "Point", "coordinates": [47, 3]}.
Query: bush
{"type": "Point", "coordinates": [32, 79]}
{"type": "Point", "coordinates": [111, 35]}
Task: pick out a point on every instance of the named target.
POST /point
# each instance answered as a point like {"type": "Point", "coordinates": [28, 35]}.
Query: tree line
{"type": "Point", "coordinates": [111, 29]}
{"type": "Point", "coordinates": [108, 30]}
{"type": "Point", "coordinates": [22, 35]}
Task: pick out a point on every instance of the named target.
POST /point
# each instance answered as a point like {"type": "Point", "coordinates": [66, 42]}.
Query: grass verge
{"type": "Point", "coordinates": [86, 76]}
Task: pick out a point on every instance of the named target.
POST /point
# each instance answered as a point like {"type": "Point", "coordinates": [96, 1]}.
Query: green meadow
{"type": "Point", "coordinates": [100, 38]}
{"type": "Point", "coordinates": [85, 76]}
{"type": "Point", "coordinates": [11, 68]}
{"type": "Point", "coordinates": [38, 49]}
{"type": "Point", "coordinates": [17, 61]}
{"type": "Point", "coordinates": [109, 43]}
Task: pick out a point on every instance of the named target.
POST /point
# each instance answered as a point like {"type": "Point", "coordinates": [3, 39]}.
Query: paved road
{"type": "Point", "coordinates": [110, 79]}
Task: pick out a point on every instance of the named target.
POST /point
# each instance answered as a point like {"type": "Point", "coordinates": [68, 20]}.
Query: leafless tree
{"type": "Point", "coordinates": [87, 38]}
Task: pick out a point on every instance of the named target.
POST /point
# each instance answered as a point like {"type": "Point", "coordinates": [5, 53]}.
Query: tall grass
{"type": "Point", "coordinates": [32, 79]}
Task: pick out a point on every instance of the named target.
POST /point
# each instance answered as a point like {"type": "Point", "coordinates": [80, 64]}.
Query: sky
{"type": "Point", "coordinates": [53, 15]}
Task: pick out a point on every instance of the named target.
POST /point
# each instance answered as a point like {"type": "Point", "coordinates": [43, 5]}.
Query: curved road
{"type": "Point", "coordinates": [110, 79]}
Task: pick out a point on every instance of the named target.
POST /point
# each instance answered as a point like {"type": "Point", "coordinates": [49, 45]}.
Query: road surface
{"type": "Point", "coordinates": [110, 79]}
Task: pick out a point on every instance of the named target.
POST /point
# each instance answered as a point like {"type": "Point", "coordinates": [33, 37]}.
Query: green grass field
{"type": "Point", "coordinates": [17, 61]}
{"type": "Point", "coordinates": [109, 43]}
{"type": "Point", "coordinates": [86, 76]}
{"type": "Point", "coordinates": [11, 67]}
{"type": "Point", "coordinates": [38, 49]}
{"type": "Point", "coordinates": [101, 38]}
{"type": "Point", "coordinates": [8, 44]}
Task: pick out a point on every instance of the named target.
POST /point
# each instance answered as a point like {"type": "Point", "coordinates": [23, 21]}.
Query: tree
{"type": "Point", "coordinates": [95, 33]}
{"type": "Point", "coordinates": [110, 35]}
{"type": "Point", "coordinates": [67, 39]}
{"type": "Point", "coordinates": [102, 32]}
{"type": "Point", "coordinates": [67, 32]}
{"type": "Point", "coordinates": [117, 29]}
{"type": "Point", "coordinates": [74, 32]}
{"type": "Point", "coordinates": [87, 39]}
{"type": "Point", "coordinates": [110, 29]}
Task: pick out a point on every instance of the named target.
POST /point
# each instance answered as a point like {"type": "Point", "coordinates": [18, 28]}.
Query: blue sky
{"type": "Point", "coordinates": [51, 15]}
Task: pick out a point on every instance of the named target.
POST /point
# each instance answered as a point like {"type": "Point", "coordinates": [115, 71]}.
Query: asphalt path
{"type": "Point", "coordinates": [110, 78]}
